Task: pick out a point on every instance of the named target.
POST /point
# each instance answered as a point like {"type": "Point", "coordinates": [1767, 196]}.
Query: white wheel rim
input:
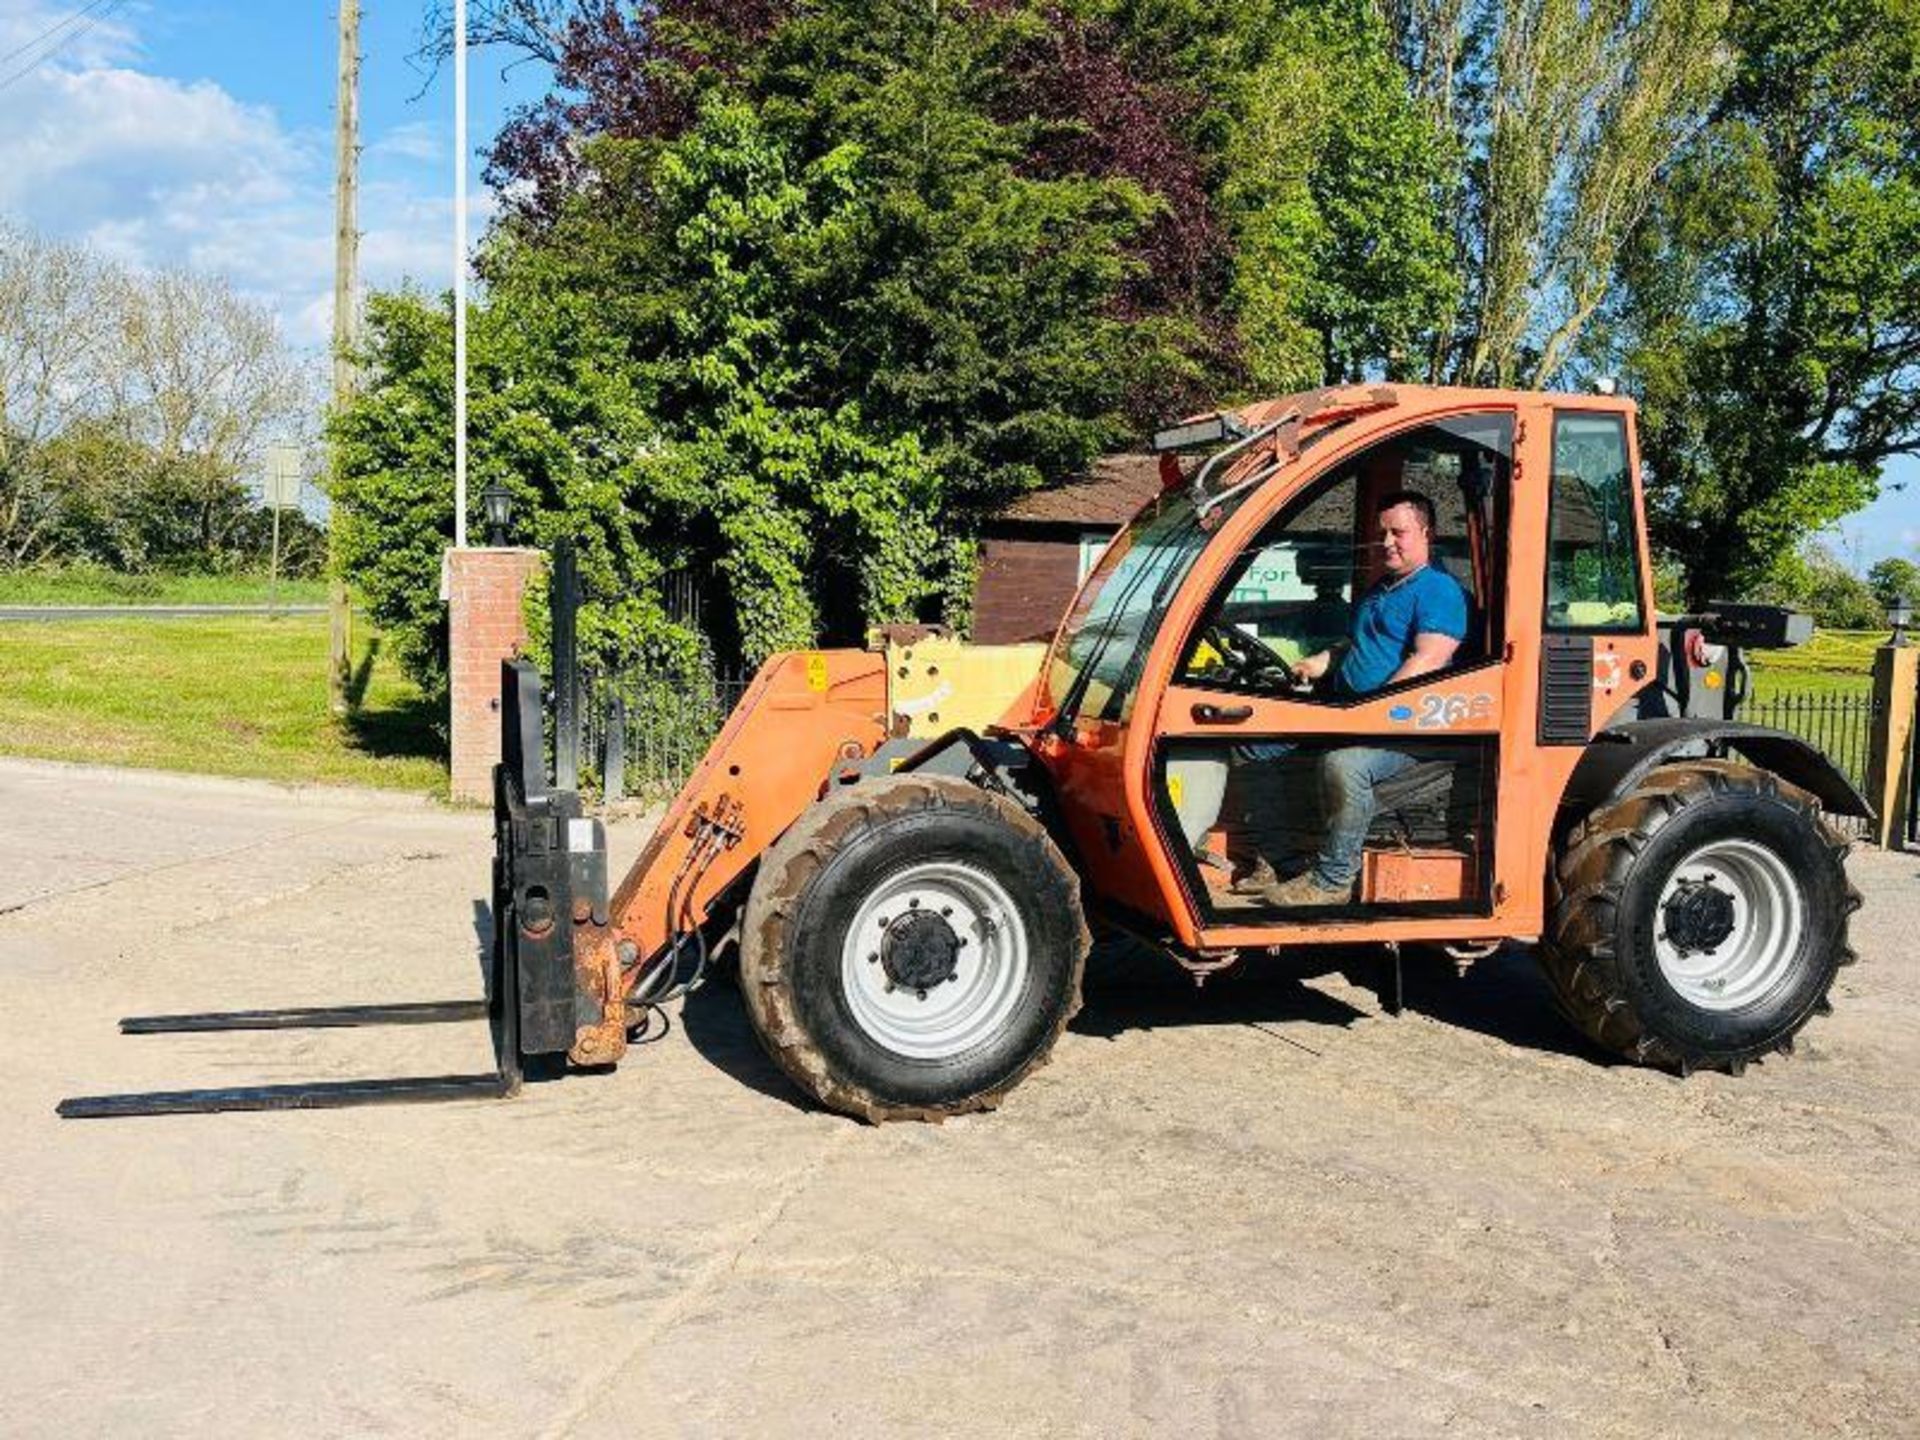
{"type": "Point", "coordinates": [990, 967]}
{"type": "Point", "coordinates": [1768, 923]}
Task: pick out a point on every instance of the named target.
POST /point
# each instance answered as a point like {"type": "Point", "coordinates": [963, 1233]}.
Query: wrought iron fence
{"type": "Point", "coordinates": [635, 731]}
{"type": "Point", "coordinates": [1840, 725]}
{"type": "Point", "coordinates": [645, 730]}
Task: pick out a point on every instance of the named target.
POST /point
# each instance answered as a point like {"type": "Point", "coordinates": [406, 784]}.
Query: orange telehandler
{"type": "Point", "coordinates": [905, 846]}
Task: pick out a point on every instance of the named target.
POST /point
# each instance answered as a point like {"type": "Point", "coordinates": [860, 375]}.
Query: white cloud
{"type": "Point", "coordinates": [160, 172]}
{"type": "Point", "coordinates": [420, 140]}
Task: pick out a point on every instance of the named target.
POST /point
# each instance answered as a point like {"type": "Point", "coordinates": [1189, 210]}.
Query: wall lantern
{"type": "Point", "coordinates": [499, 504]}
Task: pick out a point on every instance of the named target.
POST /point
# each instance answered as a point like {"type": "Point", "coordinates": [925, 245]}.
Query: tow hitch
{"type": "Point", "coordinates": [549, 870]}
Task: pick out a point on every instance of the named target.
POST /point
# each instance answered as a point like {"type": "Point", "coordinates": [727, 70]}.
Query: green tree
{"type": "Point", "coordinates": [1563, 115]}
{"type": "Point", "coordinates": [803, 499]}
{"type": "Point", "coordinates": [555, 415]}
{"type": "Point", "coordinates": [1342, 266]}
{"type": "Point", "coordinates": [974, 304]}
{"type": "Point", "coordinates": [1329, 179]}
{"type": "Point", "coordinates": [1771, 311]}
{"type": "Point", "coordinates": [1816, 580]}
{"type": "Point", "coordinates": [796, 348]}
{"type": "Point", "coordinates": [1895, 579]}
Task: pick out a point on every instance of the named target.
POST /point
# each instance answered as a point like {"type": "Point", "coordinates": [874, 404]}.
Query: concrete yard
{"type": "Point", "coordinates": [1260, 1209]}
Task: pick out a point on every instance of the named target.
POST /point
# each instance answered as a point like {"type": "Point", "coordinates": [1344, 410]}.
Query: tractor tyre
{"type": "Point", "coordinates": [1698, 921]}
{"type": "Point", "coordinates": [912, 948]}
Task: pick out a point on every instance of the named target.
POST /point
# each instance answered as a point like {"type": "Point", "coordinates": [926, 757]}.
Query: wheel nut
{"type": "Point", "coordinates": [921, 993]}
{"type": "Point", "coordinates": [874, 958]}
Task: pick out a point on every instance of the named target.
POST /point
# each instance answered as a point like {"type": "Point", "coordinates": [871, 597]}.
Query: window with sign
{"type": "Point", "coordinates": [1593, 545]}
{"type": "Point", "coordinates": [1093, 544]}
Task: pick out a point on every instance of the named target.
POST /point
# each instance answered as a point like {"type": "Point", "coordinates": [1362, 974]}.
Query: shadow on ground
{"type": "Point", "coordinates": [1130, 987]}
{"type": "Point", "coordinates": [404, 730]}
{"type": "Point", "coordinates": [715, 1021]}
{"type": "Point", "coordinates": [1503, 996]}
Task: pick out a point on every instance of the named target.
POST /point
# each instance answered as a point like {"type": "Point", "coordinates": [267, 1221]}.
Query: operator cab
{"type": "Point", "coordinates": [1253, 810]}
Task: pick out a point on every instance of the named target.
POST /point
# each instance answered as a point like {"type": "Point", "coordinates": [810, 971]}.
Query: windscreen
{"type": "Point", "coordinates": [1103, 644]}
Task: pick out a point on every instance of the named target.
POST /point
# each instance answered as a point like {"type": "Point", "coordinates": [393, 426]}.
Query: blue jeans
{"type": "Point", "coordinates": [1348, 777]}
{"type": "Point", "coordinates": [1347, 780]}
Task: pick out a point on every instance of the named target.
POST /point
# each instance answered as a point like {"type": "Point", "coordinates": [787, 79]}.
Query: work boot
{"type": "Point", "coordinates": [1256, 879]}
{"type": "Point", "coordinates": [1305, 889]}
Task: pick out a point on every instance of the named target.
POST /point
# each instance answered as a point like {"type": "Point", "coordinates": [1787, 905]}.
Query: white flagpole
{"type": "Point", "coordinates": [460, 274]}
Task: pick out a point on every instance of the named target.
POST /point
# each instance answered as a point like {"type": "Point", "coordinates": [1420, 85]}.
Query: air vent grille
{"type": "Point", "coordinates": [1566, 689]}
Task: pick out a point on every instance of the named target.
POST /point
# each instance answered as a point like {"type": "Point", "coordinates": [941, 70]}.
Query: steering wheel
{"type": "Point", "coordinates": [1250, 660]}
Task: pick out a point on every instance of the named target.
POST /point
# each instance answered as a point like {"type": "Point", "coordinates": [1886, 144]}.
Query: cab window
{"type": "Point", "coordinates": [1593, 550]}
{"type": "Point", "coordinates": [1293, 591]}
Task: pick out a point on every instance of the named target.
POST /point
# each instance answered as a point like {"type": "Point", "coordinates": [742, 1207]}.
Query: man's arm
{"type": "Point", "coordinates": [1431, 651]}
{"type": "Point", "coordinates": [1316, 665]}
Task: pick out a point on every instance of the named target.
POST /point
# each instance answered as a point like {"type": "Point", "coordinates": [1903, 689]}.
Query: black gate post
{"type": "Point", "coordinates": [613, 771]}
{"type": "Point", "coordinates": [565, 600]}
{"type": "Point", "coordinates": [1913, 777]}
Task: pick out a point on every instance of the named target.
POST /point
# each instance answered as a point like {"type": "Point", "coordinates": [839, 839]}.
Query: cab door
{"type": "Point", "coordinates": [1239, 774]}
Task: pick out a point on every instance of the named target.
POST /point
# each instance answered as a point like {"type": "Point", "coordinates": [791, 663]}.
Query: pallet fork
{"type": "Point", "coordinates": [549, 868]}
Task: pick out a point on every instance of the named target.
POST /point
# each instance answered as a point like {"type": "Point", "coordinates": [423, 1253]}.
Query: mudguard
{"type": "Point", "coordinates": [1621, 754]}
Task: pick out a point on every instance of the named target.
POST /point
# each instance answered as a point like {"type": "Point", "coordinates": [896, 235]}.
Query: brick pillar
{"type": "Point", "coordinates": [1896, 679]}
{"type": "Point", "coordinates": [484, 590]}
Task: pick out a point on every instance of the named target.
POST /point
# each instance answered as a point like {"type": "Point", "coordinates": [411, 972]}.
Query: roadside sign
{"type": "Point", "coordinates": [281, 492]}
{"type": "Point", "coordinates": [284, 474]}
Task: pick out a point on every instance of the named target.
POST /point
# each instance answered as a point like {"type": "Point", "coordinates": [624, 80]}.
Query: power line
{"type": "Point", "coordinates": [49, 31]}
{"type": "Point", "coordinates": [86, 23]}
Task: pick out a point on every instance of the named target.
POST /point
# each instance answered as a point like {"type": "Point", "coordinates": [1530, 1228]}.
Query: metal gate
{"type": "Point", "coordinates": [637, 730]}
{"type": "Point", "coordinates": [1840, 726]}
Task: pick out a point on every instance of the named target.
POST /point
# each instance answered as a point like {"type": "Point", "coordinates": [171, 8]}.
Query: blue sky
{"type": "Point", "coordinates": [199, 132]}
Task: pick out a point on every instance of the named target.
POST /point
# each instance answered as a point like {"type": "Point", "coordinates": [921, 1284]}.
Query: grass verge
{"type": "Point", "coordinates": [233, 695]}
{"type": "Point", "coordinates": [1833, 662]}
{"type": "Point", "coordinates": [84, 585]}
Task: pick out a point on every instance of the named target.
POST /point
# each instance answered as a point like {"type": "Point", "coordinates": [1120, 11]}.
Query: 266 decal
{"type": "Point", "coordinates": [1442, 712]}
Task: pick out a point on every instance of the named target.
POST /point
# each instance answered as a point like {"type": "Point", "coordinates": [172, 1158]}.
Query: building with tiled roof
{"type": "Point", "coordinates": [1035, 553]}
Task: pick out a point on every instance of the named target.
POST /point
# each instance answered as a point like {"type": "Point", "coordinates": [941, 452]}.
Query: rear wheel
{"type": "Point", "coordinates": [912, 948]}
{"type": "Point", "coordinates": [1699, 920]}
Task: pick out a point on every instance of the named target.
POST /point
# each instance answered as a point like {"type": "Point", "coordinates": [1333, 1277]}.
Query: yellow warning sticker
{"type": "Point", "coordinates": [1176, 788]}
{"type": "Point", "coordinates": [816, 672]}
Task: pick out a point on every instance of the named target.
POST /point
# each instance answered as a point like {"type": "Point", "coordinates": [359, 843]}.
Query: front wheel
{"type": "Point", "coordinates": [912, 948]}
{"type": "Point", "coordinates": [1699, 920]}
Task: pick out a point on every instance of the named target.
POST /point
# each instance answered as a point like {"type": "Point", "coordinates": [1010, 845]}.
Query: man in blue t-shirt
{"type": "Point", "coordinates": [1409, 623]}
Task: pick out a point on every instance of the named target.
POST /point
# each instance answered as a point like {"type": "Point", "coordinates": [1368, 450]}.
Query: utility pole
{"type": "Point", "coordinates": [346, 314]}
